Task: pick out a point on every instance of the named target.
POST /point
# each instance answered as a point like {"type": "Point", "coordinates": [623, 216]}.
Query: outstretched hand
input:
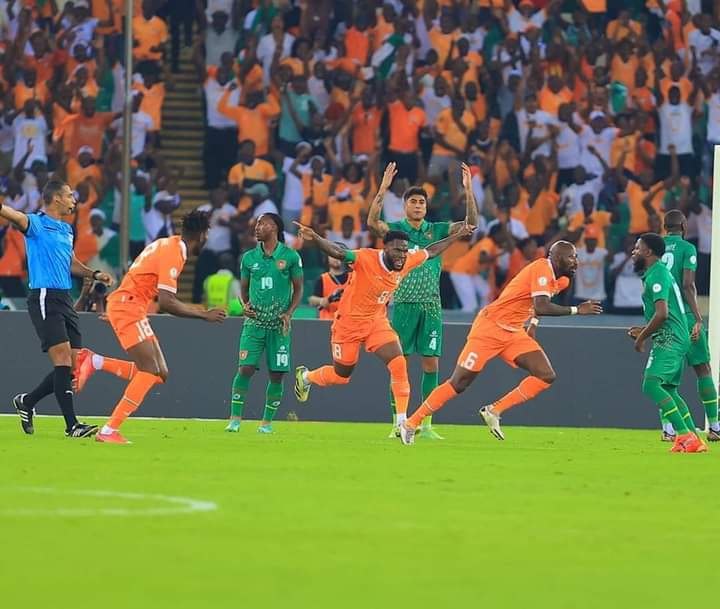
{"type": "Point", "coordinates": [306, 232]}
{"type": "Point", "coordinates": [589, 307]}
{"type": "Point", "coordinates": [466, 177]}
{"type": "Point", "coordinates": [388, 176]}
{"type": "Point", "coordinates": [465, 230]}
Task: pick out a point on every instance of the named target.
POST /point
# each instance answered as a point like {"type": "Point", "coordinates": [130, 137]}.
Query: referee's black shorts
{"type": "Point", "coordinates": [54, 318]}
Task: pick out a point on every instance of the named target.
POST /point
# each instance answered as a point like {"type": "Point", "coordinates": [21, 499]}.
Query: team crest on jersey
{"type": "Point", "coordinates": [281, 264]}
{"type": "Point", "coordinates": [243, 354]}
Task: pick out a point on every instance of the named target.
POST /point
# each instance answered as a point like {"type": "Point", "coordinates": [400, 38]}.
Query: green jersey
{"type": "Point", "coordinates": [270, 282]}
{"type": "Point", "coordinates": [680, 255]}
{"type": "Point", "coordinates": [658, 284]}
{"type": "Point", "coordinates": [423, 283]}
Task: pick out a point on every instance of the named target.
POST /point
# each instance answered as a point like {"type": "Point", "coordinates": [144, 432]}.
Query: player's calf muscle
{"type": "Point", "coordinates": [461, 379]}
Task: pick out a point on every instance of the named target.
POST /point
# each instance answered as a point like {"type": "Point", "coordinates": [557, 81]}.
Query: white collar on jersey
{"type": "Point", "coordinates": [183, 249]}
{"type": "Point", "coordinates": [552, 270]}
{"type": "Point", "coordinates": [382, 260]}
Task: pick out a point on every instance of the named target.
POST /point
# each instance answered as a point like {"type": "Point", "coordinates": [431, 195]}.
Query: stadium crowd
{"type": "Point", "coordinates": [582, 120]}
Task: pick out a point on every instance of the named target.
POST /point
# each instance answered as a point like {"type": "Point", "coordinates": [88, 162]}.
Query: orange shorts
{"type": "Point", "coordinates": [487, 340]}
{"type": "Point", "coordinates": [348, 334]}
{"type": "Point", "coordinates": [130, 323]}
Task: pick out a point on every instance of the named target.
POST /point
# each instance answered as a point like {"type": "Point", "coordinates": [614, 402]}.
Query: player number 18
{"type": "Point", "coordinates": [144, 329]}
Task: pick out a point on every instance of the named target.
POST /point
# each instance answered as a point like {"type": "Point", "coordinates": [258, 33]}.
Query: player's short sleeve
{"type": "Point", "coordinates": [296, 267]}
{"type": "Point", "coordinates": [244, 267]}
{"type": "Point", "coordinates": [442, 230]}
{"type": "Point", "coordinates": [690, 261]}
{"type": "Point", "coordinates": [414, 260]}
{"type": "Point", "coordinates": [169, 268]}
{"type": "Point", "coordinates": [659, 287]}
{"type": "Point", "coordinates": [541, 281]}
{"type": "Point", "coordinates": [34, 226]}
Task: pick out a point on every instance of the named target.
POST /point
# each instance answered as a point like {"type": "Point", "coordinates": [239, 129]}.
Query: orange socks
{"type": "Point", "coordinates": [434, 402]}
{"type": "Point", "coordinates": [528, 388]}
{"type": "Point", "coordinates": [134, 394]}
{"type": "Point", "coordinates": [326, 376]}
{"type": "Point", "coordinates": [118, 367]}
{"type": "Point", "coordinates": [399, 383]}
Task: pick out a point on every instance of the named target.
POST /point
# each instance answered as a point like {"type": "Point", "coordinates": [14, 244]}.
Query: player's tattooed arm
{"type": "Point", "coordinates": [544, 307]}
{"type": "Point", "coordinates": [327, 247]}
{"type": "Point", "coordinates": [437, 248]}
{"type": "Point", "coordinates": [375, 224]}
{"type": "Point", "coordinates": [17, 218]}
{"type": "Point", "coordinates": [471, 210]}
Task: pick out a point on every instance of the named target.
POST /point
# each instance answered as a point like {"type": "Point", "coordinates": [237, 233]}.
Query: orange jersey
{"type": "Point", "coordinates": [514, 306]}
{"type": "Point", "coordinates": [156, 268]}
{"type": "Point", "coordinates": [371, 284]}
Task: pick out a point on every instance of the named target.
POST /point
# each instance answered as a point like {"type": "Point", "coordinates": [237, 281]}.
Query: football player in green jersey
{"type": "Point", "coordinates": [681, 260]}
{"type": "Point", "coordinates": [271, 285]}
{"type": "Point", "coordinates": [417, 313]}
{"type": "Point", "coordinates": [664, 312]}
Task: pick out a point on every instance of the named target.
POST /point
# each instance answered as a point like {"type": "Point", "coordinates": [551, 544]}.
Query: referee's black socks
{"type": "Point", "coordinates": [45, 388]}
{"type": "Point", "coordinates": [64, 394]}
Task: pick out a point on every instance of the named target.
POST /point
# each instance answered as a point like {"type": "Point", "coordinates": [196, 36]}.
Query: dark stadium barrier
{"type": "Point", "coordinates": [598, 382]}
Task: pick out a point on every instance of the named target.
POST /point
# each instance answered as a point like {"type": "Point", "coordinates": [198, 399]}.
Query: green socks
{"type": "Point", "coordinates": [709, 398]}
{"type": "Point", "coordinates": [429, 383]}
{"type": "Point", "coordinates": [273, 397]}
{"type": "Point", "coordinates": [654, 390]}
{"type": "Point", "coordinates": [239, 391]}
{"type": "Point", "coordinates": [682, 407]}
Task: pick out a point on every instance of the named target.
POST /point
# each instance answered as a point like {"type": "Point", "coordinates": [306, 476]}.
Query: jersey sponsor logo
{"type": "Point", "coordinates": [173, 273]}
{"type": "Point", "coordinates": [656, 287]}
{"type": "Point", "coordinates": [255, 266]}
{"type": "Point", "coordinates": [542, 281]}
{"type": "Point", "coordinates": [281, 264]}
{"type": "Point", "coordinates": [693, 259]}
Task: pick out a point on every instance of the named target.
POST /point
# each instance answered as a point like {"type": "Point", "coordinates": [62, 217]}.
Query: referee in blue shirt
{"type": "Point", "coordinates": [51, 262]}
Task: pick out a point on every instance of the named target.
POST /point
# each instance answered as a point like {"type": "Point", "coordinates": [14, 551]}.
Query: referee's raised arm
{"type": "Point", "coordinates": [17, 218]}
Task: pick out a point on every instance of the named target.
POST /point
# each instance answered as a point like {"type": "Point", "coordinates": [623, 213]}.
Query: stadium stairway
{"type": "Point", "coordinates": [182, 138]}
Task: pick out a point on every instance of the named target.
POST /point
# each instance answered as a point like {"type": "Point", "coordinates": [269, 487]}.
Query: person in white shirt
{"type": "Point", "coordinates": [711, 90]}
{"type": "Point", "coordinates": [525, 17]}
{"type": "Point", "coordinates": [676, 126]}
{"type": "Point", "coordinates": [590, 276]}
{"type": "Point", "coordinates": [219, 240]}
{"type": "Point", "coordinates": [29, 129]}
{"type": "Point", "coordinates": [704, 44]}
{"type": "Point", "coordinates": [221, 135]}
{"type": "Point", "coordinates": [435, 99]}
{"type": "Point", "coordinates": [140, 125]}
{"type": "Point", "coordinates": [262, 204]}
{"type": "Point", "coordinates": [627, 295]}
{"type": "Point", "coordinates": [700, 226]}
{"type": "Point", "coordinates": [294, 194]}
{"type": "Point", "coordinates": [268, 44]}
{"type": "Point", "coordinates": [582, 184]}
{"type": "Point", "coordinates": [535, 123]}
{"type": "Point", "coordinates": [596, 140]}
{"type": "Point", "coordinates": [568, 147]}
{"type": "Point", "coordinates": [157, 218]}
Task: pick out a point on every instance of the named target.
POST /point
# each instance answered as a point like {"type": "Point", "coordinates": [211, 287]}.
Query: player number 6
{"type": "Point", "coordinates": [470, 361]}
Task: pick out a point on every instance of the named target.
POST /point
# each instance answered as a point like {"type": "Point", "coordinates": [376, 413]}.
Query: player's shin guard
{"type": "Point", "coordinates": [429, 383]}
{"type": "Point", "coordinates": [118, 367]}
{"type": "Point", "coordinates": [239, 391]}
{"type": "Point", "coordinates": [399, 385]}
{"type": "Point", "coordinates": [326, 376]}
{"type": "Point", "coordinates": [654, 390]}
{"type": "Point", "coordinates": [273, 397]}
{"type": "Point", "coordinates": [434, 402]}
{"type": "Point", "coordinates": [529, 387]}
{"type": "Point", "coordinates": [709, 398]}
{"type": "Point", "coordinates": [134, 394]}
{"type": "Point", "coordinates": [64, 394]}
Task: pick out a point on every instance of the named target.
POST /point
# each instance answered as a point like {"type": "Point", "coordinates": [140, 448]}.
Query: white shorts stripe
{"type": "Point", "coordinates": [43, 294]}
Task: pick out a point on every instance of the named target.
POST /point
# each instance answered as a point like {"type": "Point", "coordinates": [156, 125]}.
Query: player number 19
{"type": "Point", "coordinates": [281, 359]}
{"type": "Point", "coordinates": [266, 283]}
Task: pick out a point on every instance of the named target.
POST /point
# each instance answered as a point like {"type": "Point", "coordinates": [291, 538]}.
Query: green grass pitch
{"type": "Point", "coordinates": [337, 516]}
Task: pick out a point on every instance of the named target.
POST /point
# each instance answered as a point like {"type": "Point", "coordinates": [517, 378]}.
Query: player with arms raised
{"type": "Point", "coordinates": [271, 286]}
{"type": "Point", "coordinates": [667, 326]}
{"type": "Point", "coordinates": [680, 258]}
{"type": "Point", "coordinates": [499, 330]}
{"type": "Point", "coordinates": [417, 313]}
{"type": "Point", "coordinates": [154, 273]}
{"type": "Point", "coordinates": [361, 318]}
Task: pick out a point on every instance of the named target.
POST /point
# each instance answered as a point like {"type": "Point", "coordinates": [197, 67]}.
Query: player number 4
{"type": "Point", "coordinates": [433, 343]}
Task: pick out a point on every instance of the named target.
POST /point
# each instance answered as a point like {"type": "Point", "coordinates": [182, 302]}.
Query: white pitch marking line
{"type": "Point", "coordinates": [183, 505]}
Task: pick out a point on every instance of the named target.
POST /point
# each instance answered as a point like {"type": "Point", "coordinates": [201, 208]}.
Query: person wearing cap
{"type": "Point", "coordinates": [261, 203]}
{"type": "Point", "coordinates": [84, 167]}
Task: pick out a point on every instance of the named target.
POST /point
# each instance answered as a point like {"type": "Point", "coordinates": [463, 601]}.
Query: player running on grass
{"type": "Point", "coordinates": [667, 325]}
{"type": "Point", "coordinates": [271, 286]}
{"type": "Point", "coordinates": [417, 313]}
{"type": "Point", "coordinates": [498, 330]}
{"type": "Point", "coordinates": [680, 258]}
{"type": "Point", "coordinates": [154, 273]}
{"type": "Point", "coordinates": [361, 318]}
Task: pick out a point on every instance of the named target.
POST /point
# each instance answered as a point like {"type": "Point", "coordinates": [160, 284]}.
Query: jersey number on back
{"type": "Point", "coordinates": [668, 260]}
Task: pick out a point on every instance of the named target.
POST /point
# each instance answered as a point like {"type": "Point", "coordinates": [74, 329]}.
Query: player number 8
{"type": "Point", "coordinates": [382, 299]}
{"type": "Point", "coordinates": [337, 351]}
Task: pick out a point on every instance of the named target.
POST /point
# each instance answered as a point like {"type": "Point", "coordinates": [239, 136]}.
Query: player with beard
{"type": "Point", "coordinates": [154, 273]}
{"type": "Point", "coordinates": [667, 325]}
{"type": "Point", "coordinates": [499, 330]}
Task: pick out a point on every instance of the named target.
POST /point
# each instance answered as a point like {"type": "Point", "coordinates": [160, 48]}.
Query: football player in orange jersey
{"type": "Point", "coordinates": [361, 318]}
{"type": "Point", "coordinates": [499, 331]}
{"type": "Point", "coordinates": [154, 273]}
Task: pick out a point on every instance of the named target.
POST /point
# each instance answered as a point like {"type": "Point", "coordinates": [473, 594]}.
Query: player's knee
{"type": "Point", "coordinates": [163, 373]}
{"type": "Point", "coordinates": [547, 376]}
{"type": "Point", "coordinates": [246, 371]}
{"type": "Point", "coordinates": [650, 387]}
{"type": "Point", "coordinates": [461, 379]}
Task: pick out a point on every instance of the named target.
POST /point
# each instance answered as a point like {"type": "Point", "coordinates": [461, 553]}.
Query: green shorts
{"type": "Point", "coordinates": [699, 352]}
{"type": "Point", "coordinates": [420, 328]}
{"type": "Point", "coordinates": [667, 365]}
{"type": "Point", "coordinates": [254, 340]}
